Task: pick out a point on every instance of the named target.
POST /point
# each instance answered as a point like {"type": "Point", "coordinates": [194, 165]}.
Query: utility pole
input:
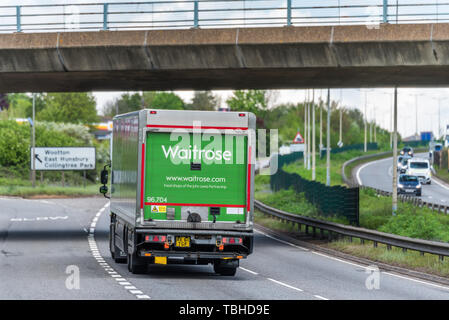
{"type": "Point", "coordinates": [308, 130]}
{"type": "Point", "coordinates": [321, 121]}
{"type": "Point", "coordinates": [395, 153]}
{"type": "Point", "coordinates": [305, 131]}
{"type": "Point", "coordinates": [33, 144]}
{"type": "Point", "coordinates": [416, 115]}
{"type": "Point", "coordinates": [340, 139]}
{"type": "Point", "coordinates": [313, 138]}
{"type": "Point", "coordinates": [375, 127]}
{"type": "Point", "coordinates": [328, 149]}
{"type": "Point", "coordinates": [391, 121]}
{"type": "Point", "coordinates": [365, 146]}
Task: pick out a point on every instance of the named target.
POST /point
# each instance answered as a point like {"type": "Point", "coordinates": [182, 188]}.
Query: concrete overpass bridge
{"type": "Point", "coordinates": [280, 55]}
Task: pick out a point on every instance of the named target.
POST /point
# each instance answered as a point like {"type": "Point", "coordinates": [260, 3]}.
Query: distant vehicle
{"type": "Point", "coordinates": [403, 165]}
{"type": "Point", "coordinates": [426, 136]}
{"type": "Point", "coordinates": [409, 184]}
{"type": "Point", "coordinates": [407, 151]}
{"type": "Point", "coordinates": [434, 147]}
{"type": "Point", "coordinates": [421, 169]}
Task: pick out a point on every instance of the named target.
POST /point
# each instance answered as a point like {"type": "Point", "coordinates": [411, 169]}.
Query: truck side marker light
{"type": "Point", "coordinates": [239, 257]}
{"type": "Point", "coordinates": [221, 247]}
{"type": "Point", "coordinates": [166, 245]}
{"type": "Point", "coordinates": [147, 254]}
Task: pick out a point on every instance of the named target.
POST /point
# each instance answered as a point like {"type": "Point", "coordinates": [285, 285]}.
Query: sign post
{"type": "Point", "coordinates": [63, 158]}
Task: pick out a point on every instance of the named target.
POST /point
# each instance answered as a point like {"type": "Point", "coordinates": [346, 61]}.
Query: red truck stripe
{"type": "Point", "coordinates": [248, 198]}
{"type": "Point", "coordinates": [142, 176]}
{"type": "Point", "coordinates": [192, 127]}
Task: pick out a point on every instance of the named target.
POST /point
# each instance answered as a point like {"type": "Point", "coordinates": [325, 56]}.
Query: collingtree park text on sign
{"type": "Point", "coordinates": [63, 158]}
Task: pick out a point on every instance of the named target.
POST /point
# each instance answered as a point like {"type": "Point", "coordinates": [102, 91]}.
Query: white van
{"type": "Point", "coordinates": [420, 168]}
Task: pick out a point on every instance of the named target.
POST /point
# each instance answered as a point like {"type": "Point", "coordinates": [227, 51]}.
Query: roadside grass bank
{"type": "Point", "coordinates": [442, 173]}
{"type": "Point", "coordinates": [375, 210]}
{"type": "Point", "coordinates": [27, 191]}
{"type": "Point", "coordinates": [410, 259]}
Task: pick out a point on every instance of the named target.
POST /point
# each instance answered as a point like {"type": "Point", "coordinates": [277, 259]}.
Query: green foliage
{"type": "Point", "coordinates": [72, 107]}
{"type": "Point", "coordinates": [167, 100]}
{"type": "Point", "coordinates": [15, 142]}
{"type": "Point", "coordinates": [255, 101]}
{"type": "Point", "coordinates": [204, 100]}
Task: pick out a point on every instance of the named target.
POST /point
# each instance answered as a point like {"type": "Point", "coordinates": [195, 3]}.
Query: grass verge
{"type": "Point", "coordinates": [48, 191]}
{"type": "Point", "coordinates": [410, 260]}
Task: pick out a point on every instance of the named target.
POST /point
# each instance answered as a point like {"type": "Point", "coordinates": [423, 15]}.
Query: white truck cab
{"type": "Point", "coordinates": [420, 168]}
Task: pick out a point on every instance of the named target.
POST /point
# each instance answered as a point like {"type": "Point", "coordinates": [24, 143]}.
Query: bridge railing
{"type": "Point", "coordinates": [182, 14]}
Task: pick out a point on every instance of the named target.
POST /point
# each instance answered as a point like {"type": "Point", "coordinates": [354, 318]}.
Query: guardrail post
{"type": "Point", "coordinates": [375, 244]}
{"type": "Point", "coordinates": [18, 22]}
{"type": "Point", "coordinates": [441, 258]}
{"type": "Point", "coordinates": [196, 22]}
{"type": "Point", "coordinates": [105, 16]}
{"type": "Point", "coordinates": [289, 12]}
{"type": "Point", "coordinates": [385, 11]}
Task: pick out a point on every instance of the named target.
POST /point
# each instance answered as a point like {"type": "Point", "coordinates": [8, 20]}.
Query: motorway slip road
{"type": "Point", "coordinates": [379, 174]}
{"type": "Point", "coordinates": [42, 242]}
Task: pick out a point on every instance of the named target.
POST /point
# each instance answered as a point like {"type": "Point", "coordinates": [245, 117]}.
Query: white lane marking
{"type": "Point", "coordinates": [96, 254]}
{"type": "Point", "coordinates": [252, 272]}
{"type": "Point", "coordinates": [285, 285]}
{"type": "Point", "coordinates": [390, 171]}
{"type": "Point", "coordinates": [359, 180]}
{"type": "Point", "coordinates": [54, 218]}
{"type": "Point", "coordinates": [368, 268]}
{"type": "Point", "coordinates": [320, 297]}
{"type": "Point", "coordinates": [440, 184]}
{"type": "Point", "coordinates": [281, 241]}
{"type": "Point", "coordinates": [417, 280]}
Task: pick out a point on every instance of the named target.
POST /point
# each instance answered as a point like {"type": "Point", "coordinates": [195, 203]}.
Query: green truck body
{"type": "Point", "coordinates": [182, 188]}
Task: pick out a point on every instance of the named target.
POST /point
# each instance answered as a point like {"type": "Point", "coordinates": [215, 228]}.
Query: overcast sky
{"type": "Point", "coordinates": [379, 100]}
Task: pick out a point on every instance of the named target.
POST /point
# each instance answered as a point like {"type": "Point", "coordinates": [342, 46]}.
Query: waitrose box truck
{"type": "Point", "coordinates": [182, 188]}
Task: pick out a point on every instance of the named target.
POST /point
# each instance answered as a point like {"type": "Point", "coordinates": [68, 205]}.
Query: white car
{"type": "Point", "coordinates": [420, 168]}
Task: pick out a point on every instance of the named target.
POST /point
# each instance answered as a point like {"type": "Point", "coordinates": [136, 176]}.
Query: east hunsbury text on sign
{"type": "Point", "coordinates": [63, 158]}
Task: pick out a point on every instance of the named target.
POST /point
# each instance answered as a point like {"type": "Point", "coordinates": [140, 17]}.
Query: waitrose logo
{"type": "Point", "coordinates": [195, 153]}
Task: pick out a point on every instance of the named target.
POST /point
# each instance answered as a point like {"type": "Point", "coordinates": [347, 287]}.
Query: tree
{"type": "Point", "coordinates": [126, 103]}
{"type": "Point", "coordinates": [70, 107]}
{"type": "Point", "coordinates": [204, 100]}
{"type": "Point", "coordinates": [255, 101]}
{"type": "Point", "coordinates": [167, 100]}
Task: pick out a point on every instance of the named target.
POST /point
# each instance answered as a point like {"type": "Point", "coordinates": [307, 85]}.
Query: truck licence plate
{"type": "Point", "coordinates": [183, 242]}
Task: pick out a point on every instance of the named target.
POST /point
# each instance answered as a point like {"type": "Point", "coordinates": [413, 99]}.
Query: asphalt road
{"type": "Point", "coordinates": [379, 174]}
{"type": "Point", "coordinates": [42, 240]}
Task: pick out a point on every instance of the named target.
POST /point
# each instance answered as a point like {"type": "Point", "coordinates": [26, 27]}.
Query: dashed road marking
{"type": "Point", "coordinates": [252, 272]}
{"type": "Point", "coordinates": [320, 297]}
{"type": "Point", "coordinates": [102, 263]}
{"type": "Point", "coordinates": [281, 241]}
{"type": "Point", "coordinates": [285, 285]}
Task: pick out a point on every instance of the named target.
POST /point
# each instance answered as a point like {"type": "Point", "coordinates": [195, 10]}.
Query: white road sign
{"type": "Point", "coordinates": [63, 158]}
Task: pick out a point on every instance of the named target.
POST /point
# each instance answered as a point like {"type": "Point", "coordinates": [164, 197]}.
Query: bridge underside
{"type": "Point", "coordinates": [225, 79]}
{"type": "Point", "coordinates": [200, 59]}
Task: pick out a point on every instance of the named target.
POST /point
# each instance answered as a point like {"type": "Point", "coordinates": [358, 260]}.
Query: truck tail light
{"type": "Point", "coordinates": [155, 238]}
{"type": "Point", "coordinates": [153, 112]}
{"type": "Point", "coordinates": [232, 240]}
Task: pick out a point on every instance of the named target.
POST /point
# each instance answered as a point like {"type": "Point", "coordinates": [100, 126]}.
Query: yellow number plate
{"type": "Point", "coordinates": [160, 260]}
{"type": "Point", "coordinates": [183, 242]}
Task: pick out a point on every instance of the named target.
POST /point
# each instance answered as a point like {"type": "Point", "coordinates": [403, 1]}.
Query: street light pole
{"type": "Point", "coordinates": [365, 147]}
{"type": "Point", "coordinates": [328, 149]}
{"type": "Point", "coordinates": [308, 130]}
{"type": "Point", "coordinates": [305, 131]}
{"type": "Point", "coordinates": [321, 121]}
{"type": "Point", "coordinates": [313, 137]}
{"type": "Point", "coordinates": [33, 145]}
{"type": "Point", "coordinates": [395, 153]}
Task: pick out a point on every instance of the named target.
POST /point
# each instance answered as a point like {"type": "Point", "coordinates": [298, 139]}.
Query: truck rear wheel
{"type": "Point", "coordinates": [228, 268]}
{"type": "Point", "coordinates": [135, 266]}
